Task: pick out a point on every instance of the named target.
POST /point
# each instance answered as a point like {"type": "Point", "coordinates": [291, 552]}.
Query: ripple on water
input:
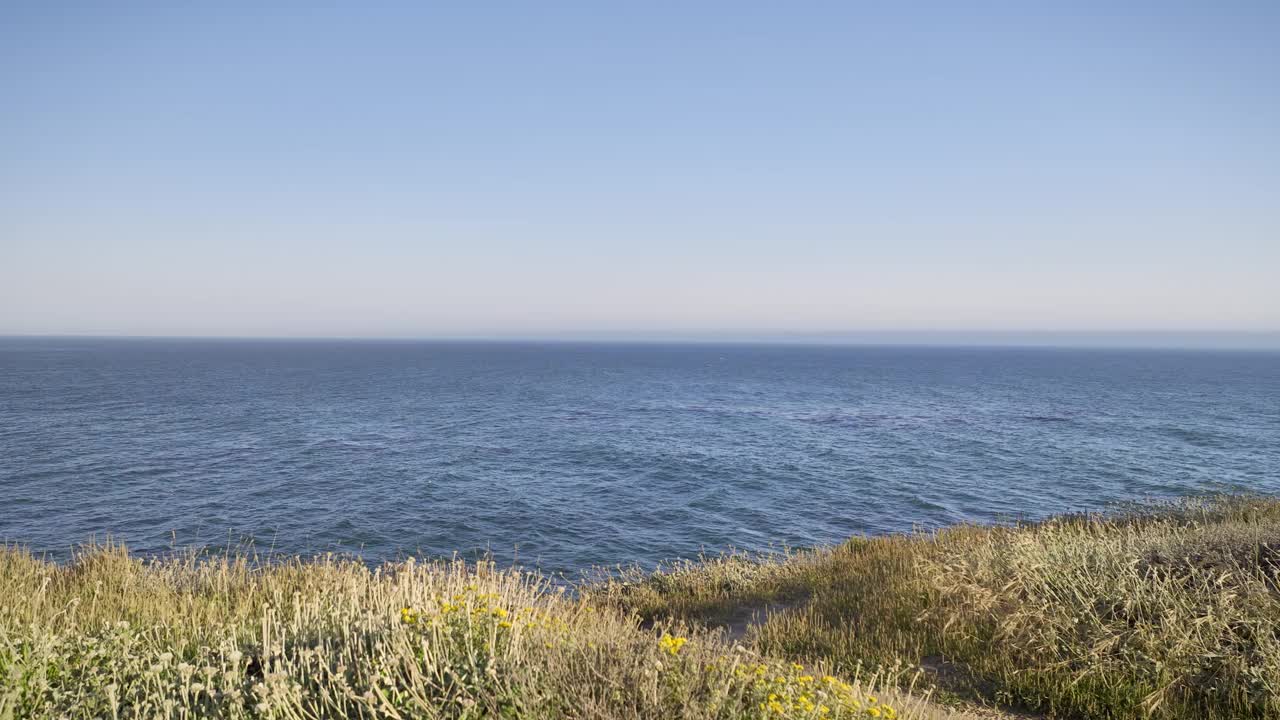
{"type": "Point", "coordinates": [600, 454]}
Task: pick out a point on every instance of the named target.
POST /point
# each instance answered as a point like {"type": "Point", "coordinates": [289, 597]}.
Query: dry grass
{"type": "Point", "coordinates": [1169, 611]}
{"type": "Point", "coordinates": [112, 636]}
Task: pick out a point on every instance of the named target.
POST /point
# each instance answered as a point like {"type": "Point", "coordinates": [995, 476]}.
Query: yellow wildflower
{"type": "Point", "coordinates": [672, 644]}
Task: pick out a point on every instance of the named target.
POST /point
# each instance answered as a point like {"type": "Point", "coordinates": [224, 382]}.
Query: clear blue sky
{"type": "Point", "coordinates": [444, 169]}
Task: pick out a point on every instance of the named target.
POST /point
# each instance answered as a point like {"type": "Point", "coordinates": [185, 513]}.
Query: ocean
{"type": "Point", "coordinates": [565, 456]}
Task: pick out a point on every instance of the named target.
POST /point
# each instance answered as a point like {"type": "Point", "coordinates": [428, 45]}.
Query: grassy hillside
{"type": "Point", "coordinates": [1163, 612]}
{"type": "Point", "coordinates": [1169, 611]}
{"type": "Point", "coordinates": [110, 636]}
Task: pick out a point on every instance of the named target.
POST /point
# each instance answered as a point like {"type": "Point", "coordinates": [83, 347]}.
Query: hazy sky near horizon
{"type": "Point", "coordinates": [419, 169]}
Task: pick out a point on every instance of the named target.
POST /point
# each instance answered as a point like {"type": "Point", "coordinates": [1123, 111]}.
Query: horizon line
{"type": "Point", "coordinates": [1077, 339]}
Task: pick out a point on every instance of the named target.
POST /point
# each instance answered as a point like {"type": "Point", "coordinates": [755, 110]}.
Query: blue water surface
{"type": "Point", "coordinates": [566, 456]}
